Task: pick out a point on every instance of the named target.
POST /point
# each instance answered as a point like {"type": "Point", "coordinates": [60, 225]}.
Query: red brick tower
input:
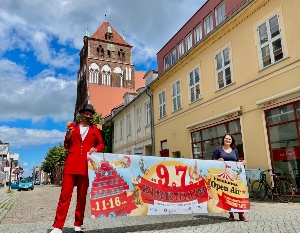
{"type": "Point", "coordinates": [106, 71]}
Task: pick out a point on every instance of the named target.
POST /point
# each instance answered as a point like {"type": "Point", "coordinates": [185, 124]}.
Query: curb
{"type": "Point", "coordinates": [6, 204]}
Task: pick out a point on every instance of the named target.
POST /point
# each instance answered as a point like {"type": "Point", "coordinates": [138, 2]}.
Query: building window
{"type": "Point", "coordinates": [223, 68]}
{"type": "Point", "coordinates": [162, 104]}
{"type": "Point", "coordinates": [128, 73]}
{"type": "Point", "coordinates": [198, 33]}
{"type": "Point", "coordinates": [106, 75]}
{"type": "Point", "coordinates": [139, 117]}
{"type": "Point", "coordinates": [189, 42]}
{"type": "Point", "coordinates": [100, 51]}
{"type": "Point", "coordinates": [128, 124]}
{"type": "Point", "coordinates": [164, 149]}
{"type": "Point", "coordinates": [194, 85]}
{"type": "Point", "coordinates": [173, 56]}
{"type": "Point", "coordinates": [116, 132]}
{"type": "Point", "coordinates": [220, 13]}
{"type": "Point", "coordinates": [93, 73]}
{"type": "Point", "coordinates": [166, 62]}
{"type": "Point", "coordinates": [164, 145]}
{"type": "Point", "coordinates": [205, 141]}
{"type": "Point", "coordinates": [180, 49]}
{"type": "Point", "coordinates": [121, 129]}
{"type": "Point", "coordinates": [147, 109]}
{"type": "Point", "coordinates": [283, 131]}
{"type": "Point", "coordinates": [176, 97]}
{"type": "Point", "coordinates": [208, 24]}
{"type": "Point", "coordinates": [270, 41]}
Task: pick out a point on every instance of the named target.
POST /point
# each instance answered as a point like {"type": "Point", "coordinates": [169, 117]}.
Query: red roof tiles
{"type": "Point", "coordinates": [105, 98]}
{"type": "Point", "coordinates": [101, 31]}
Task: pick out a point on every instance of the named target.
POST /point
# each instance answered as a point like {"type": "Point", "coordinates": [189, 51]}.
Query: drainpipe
{"type": "Point", "coordinates": [149, 93]}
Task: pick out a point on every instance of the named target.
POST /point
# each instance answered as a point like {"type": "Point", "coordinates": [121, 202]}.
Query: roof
{"type": "Point", "coordinates": [101, 31]}
{"type": "Point", "coordinates": [105, 98]}
{"type": "Point", "coordinates": [139, 79]}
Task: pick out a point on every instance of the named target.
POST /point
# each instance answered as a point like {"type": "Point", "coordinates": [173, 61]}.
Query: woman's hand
{"type": "Point", "coordinates": [220, 159]}
{"type": "Point", "coordinates": [243, 162]}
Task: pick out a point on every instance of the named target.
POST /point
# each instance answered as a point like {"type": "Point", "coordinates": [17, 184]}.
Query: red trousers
{"type": "Point", "coordinates": [65, 199]}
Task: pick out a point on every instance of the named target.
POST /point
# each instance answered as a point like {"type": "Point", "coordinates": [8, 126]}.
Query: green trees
{"type": "Point", "coordinates": [55, 156]}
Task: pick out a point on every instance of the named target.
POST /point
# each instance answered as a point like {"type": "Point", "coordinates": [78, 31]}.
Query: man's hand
{"type": "Point", "coordinates": [69, 133]}
{"type": "Point", "coordinates": [92, 150]}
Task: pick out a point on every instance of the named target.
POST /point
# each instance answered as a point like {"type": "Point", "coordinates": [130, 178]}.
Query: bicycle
{"type": "Point", "coordinates": [296, 180]}
{"type": "Point", "coordinates": [282, 188]}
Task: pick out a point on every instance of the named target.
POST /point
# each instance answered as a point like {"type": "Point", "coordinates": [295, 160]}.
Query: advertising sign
{"type": "Point", "coordinates": [135, 185]}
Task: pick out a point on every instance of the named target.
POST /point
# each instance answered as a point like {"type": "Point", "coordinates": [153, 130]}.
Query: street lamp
{"type": "Point", "coordinates": [9, 184]}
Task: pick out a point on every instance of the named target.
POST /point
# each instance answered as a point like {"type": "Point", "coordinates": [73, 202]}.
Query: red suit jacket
{"type": "Point", "coordinates": [76, 160]}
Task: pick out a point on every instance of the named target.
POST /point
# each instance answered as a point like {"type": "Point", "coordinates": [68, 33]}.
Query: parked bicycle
{"type": "Point", "coordinates": [282, 188]}
{"type": "Point", "coordinates": [296, 180]}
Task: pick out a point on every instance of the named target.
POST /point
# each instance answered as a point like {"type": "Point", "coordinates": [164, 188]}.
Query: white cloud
{"type": "Point", "coordinates": [27, 172]}
{"type": "Point", "coordinates": [151, 23]}
{"type": "Point", "coordinates": [25, 164]}
{"type": "Point", "coordinates": [38, 98]}
{"type": "Point", "coordinates": [21, 137]}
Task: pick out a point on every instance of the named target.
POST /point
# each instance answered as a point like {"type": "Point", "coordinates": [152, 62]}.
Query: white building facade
{"type": "Point", "coordinates": [133, 124]}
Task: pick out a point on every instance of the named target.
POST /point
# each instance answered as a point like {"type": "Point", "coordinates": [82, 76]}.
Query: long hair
{"type": "Point", "coordinates": [233, 144]}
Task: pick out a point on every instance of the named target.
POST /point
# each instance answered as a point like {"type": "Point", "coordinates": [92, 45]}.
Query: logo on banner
{"type": "Point", "coordinates": [227, 190]}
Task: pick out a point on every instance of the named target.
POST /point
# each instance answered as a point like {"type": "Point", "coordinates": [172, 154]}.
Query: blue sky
{"type": "Point", "coordinates": [39, 60]}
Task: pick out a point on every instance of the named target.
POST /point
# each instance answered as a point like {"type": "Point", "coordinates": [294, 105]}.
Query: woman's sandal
{"type": "Point", "coordinates": [242, 218]}
{"type": "Point", "coordinates": [231, 218]}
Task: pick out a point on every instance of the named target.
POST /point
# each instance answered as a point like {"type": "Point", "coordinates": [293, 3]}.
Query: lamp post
{"type": "Point", "coordinates": [9, 184]}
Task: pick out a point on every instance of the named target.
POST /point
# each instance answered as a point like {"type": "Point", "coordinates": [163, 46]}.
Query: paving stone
{"type": "Point", "coordinates": [34, 211]}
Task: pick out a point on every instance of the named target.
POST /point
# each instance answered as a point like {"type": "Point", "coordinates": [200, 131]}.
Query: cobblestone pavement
{"type": "Point", "coordinates": [34, 211]}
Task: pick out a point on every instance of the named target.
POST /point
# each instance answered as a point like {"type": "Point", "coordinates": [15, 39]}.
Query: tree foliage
{"type": "Point", "coordinates": [107, 134]}
{"type": "Point", "coordinates": [55, 156]}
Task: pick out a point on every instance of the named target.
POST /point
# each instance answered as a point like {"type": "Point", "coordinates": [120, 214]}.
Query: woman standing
{"type": "Point", "coordinates": [228, 152]}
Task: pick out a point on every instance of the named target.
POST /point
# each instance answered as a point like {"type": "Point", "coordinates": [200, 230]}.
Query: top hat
{"type": "Point", "coordinates": [87, 107]}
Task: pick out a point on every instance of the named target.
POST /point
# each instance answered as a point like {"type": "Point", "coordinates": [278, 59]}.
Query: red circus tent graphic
{"type": "Point", "coordinates": [108, 195]}
{"type": "Point", "coordinates": [225, 175]}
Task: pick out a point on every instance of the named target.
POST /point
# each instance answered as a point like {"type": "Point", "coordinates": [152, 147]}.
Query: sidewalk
{"type": "Point", "coordinates": [7, 200]}
{"type": "Point", "coordinates": [34, 211]}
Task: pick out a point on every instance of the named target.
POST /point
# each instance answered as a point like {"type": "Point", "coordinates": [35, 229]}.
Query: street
{"type": "Point", "coordinates": [34, 211]}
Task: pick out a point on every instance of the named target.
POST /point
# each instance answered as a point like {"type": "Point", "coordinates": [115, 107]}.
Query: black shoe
{"type": "Point", "coordinates": [78, 232]}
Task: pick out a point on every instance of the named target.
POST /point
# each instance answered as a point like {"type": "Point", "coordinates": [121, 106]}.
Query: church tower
{"type": "Point", "coordinates": [106, 71]}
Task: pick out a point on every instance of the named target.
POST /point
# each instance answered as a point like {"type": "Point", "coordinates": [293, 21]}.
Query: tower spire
{"type": "Point", "coordinates": [123, 36]}
{"type": "Point", "coordinates": [87, 32]}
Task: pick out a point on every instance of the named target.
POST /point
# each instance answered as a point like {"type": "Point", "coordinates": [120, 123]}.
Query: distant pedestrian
{"type": "Point", "coordinates": [228, 152]}
{"type": "Point", "coordinates": [80, 139]}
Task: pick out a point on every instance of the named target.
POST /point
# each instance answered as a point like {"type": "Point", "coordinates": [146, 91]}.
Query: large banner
{"type": "Point", "coordinates": [134, 185]}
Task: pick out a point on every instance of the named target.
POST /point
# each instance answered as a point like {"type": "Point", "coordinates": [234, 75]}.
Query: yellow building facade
{"type": "Point", "coordinates": [243, 78]}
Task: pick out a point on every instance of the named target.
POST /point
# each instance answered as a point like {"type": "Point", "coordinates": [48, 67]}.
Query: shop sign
{"type": "Point", "coordinates": [286, 154]}
{"type": "Point", "coordinates": [269, 103]}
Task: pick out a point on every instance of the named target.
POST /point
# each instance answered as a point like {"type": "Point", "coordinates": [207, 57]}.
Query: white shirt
{"type": "Point", "coordinates": [83, 131]}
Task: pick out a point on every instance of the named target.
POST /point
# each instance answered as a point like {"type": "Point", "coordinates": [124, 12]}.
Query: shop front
{"type": "Point", "coordinates": [284, 139]}
{"type": "Point", "coordinates": [206, 140]}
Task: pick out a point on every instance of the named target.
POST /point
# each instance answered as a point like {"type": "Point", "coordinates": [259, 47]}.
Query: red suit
{"type": "Point", "coordinates": [76, 170]}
